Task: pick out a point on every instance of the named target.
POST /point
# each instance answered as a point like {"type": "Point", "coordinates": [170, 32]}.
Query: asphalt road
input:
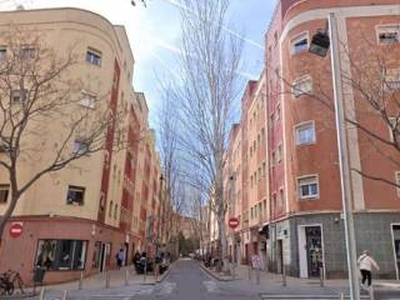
{"type": "Point", "coordinates": [187, 281]}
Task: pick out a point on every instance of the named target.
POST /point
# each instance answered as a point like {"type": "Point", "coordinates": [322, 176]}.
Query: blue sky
{"type": "Point", "coordinates": [154, 34]}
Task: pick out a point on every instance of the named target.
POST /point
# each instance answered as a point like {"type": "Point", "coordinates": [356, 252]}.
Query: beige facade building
{"type": "Point", "coordinates": [78, 218]}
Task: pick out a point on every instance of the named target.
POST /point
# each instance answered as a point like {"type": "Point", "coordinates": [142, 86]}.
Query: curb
{"type": "Point", "coordinates": [162, 277]}
{"type": "Point", "coordinates": [305, 297]}
{"type": "Point", "coordinates": [212, 274]}
{"type": "Point", "coordinates": [20, 296]}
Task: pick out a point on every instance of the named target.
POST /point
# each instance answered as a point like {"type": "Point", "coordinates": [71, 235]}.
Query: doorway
{"type": "Point", "coordinates": [396, 247]}
{"type": "Point", "coordinates": [311, 250]}
{"type": "Point", "coordinates": [279, 256]}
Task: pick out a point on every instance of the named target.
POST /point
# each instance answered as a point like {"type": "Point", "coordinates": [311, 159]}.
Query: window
{"type": "Point", "coordinates": [115, 211]}
{"type": "Point", "coordinates": [251, 181]}
{"type": "Point", "coordinates": [61, 255]}
{"type": "Point", "coordinates": [388, 35]}
{"type": "Point", "coordinates": [279, 154]}
{"type": "Point", "coordinates": [264, 169]}
{"type": "Point", "coordinates": [278, 112]}
{"type": "Point", "coordinates": [302, 86]}
{"type": "Point", "coordinates": [281, 198]}
{"type": "Point", "coordinates": [299, 44]}
{"type": "Point", "coordinates": [273, 158]}
{"type": "Point", "coordinates": [394, 129]}
{"type": "Point", "coordinates": [93, 57]}
{"type": "Point", "coordinates": [80, 147]}
{"type": "Point", "coordinates": [263, 134]}
{"type": "Point", "coordinates": [308, 187]}
{"type": "Point", "coordinates": [259, 174]}
{"type": "Point", "coordinates": [397, 174]}
{"type": "Point", "coordinates": [392, 79]}
{"type": "Point", "coordinates": [265, 206]}
{"type": "Point", "coordinates": [17, 96]}
{"type": "Point", "coordinates": [75, 195]}
{"type": "Point", "coordinates": [3, 53]}
{"type": "Point", "coordinates": [251, 213]}
{"type": "Point", "coordinates": [88, 100]}
{"type": "Point", "coordinates": [305, 134]}
{"type": "Point", "coordinates": [110, 207]}
{"type": "Point", "coordinates": [4, 191]}
{"type": "Point", "coordinates": [28, 52]}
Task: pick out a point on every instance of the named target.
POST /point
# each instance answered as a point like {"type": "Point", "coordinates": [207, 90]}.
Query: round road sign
{"type": "Point", "coordinates": [233, 223]}
{"type": "Point", "coordinates": [16, 229]}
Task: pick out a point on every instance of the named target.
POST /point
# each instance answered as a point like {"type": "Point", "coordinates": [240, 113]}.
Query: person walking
{"type": "Point", "coordinates": [365, 263]}
{"type": "Point", "coordinates": [120, 258]}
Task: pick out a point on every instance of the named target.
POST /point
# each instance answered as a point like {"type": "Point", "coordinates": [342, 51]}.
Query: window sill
{"type": "Point", "coordinates": [310, 198]}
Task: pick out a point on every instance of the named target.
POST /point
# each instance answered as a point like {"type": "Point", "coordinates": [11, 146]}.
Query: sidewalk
{"type": "Point", "coordinates": [271, 285]}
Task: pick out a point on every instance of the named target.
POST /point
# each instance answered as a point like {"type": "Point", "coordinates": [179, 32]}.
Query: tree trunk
{"type": "Point", "coordinates": [4, 218]}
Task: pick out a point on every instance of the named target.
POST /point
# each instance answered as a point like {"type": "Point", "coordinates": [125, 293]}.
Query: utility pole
{"type": "Point", "coordinates": [344, 161]}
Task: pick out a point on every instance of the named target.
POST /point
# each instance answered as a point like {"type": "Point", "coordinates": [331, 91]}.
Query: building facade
{"type": "Point", "coordinates": [301, 221]}
{"type": "Point", "coordinates": [78, 218]}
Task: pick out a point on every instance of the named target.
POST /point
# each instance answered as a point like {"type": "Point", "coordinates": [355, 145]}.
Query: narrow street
{"type": "Point", "coordinates": [187, 281]}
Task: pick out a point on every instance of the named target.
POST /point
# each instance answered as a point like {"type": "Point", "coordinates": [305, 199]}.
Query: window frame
{"type": "Point", "coordinates": [80, 150]}
{"type": "Point", "coordinates": [57, 254]}
{"type": "Point", "coordinates": [88, 99]}
{"type": "Point", "coordinates": [76, 188]}
{"type": "Point", "coordinates": [297, 39]}
{"type": "Point", "coordinates": [302, 125]}
{"type": "Point", "coordinates": [298, 92]}
{"type": "Point", "coordinates": [380, 30]}
{"type": "Point", "coordinates": [3, 53]}
{"type": "Point", "coordinates": [397, 180]}
{"type": "Point", "coordinates": [93, 53]}
{"type": "Point", "coordinates": [4, 188]}
{"type": "Point", "coordinates": [299, 185]}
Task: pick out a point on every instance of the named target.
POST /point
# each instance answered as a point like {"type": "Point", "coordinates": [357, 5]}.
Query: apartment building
{"type": "Point", "coordinates": [295, 208]}
{"type": "Point", "coordinates": [306, 229]}
{"type": "Point", "coordinates": [78, 218]}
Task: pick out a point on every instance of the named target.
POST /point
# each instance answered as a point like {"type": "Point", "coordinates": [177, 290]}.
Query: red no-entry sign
{"type": "Point", "coordinates": [233, 223]}
{"type": "Point", "coordinates": [16, 229]}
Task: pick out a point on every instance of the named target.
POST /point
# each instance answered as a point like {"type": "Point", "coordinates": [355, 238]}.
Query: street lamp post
{"type": "Point", "coordinates": [319, 46]}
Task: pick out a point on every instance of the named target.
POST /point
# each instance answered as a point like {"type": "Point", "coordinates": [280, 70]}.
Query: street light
{"type": "Point", "coordinates": [319, 45]}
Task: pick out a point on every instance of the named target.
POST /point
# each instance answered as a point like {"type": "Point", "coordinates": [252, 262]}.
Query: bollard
{"type": "Point", "coordinates": [42, 293]}
{"type": "Point", "coordinates": [284, 276]}
{"type": "Point", "coordinates": [249, 272]}
{"type": "Point", "coordinates": [65, 295]}
{"type": "Point", "coordinates": [145, 271]}
{"type": "Point", "coordinates": [108, 280]}
{"type": "Point", "coordinates": [233, 271]}
{"type": "Point", "coordinates": [341, 296]}
{"type": "Point", "coordinates": [126, 277]}
{"type": "Point", "coordinates": [371, 292]}
{"type": "Point", "coordinates": [321, 277]}
{"type": "Point", "coordinates": [80, 285]}
{"type": "Point", "coordinates": [258, 275]}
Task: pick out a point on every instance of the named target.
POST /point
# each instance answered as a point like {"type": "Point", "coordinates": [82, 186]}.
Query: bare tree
{"type": "Point", "coordinates": [37, 95]}
{"type": "Point", "coordinates": [372, 80]}
{"type": "Point", "coordinates": [205, 95]}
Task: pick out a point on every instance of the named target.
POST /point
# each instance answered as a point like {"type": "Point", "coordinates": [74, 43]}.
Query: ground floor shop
{"type": "Point", "coordinates": [65, 247]}
{"type": "Point", "coordinates": [312, 245]}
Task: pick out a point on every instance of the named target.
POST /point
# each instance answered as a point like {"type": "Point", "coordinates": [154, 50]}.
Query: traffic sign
{"type": "Point", "coordinates": [233, 223]}
{"type": "Point", "coordinates": [16, 229]}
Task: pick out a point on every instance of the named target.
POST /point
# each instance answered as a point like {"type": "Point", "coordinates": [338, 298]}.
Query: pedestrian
{"type": "Point", "coordinates": [365, 263]}
{"type": "Point", "coordinates": [120, 258]}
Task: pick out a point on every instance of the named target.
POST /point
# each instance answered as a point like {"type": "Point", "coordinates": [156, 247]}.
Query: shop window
{"type": "Point", "coordinates": [61, 255]}
{"type": "Point", "coordinates": [75, 195]}
{"type": "Point", "coordinates": [308, 187]}
{"type": "Point", "coordinates": [4, 191]}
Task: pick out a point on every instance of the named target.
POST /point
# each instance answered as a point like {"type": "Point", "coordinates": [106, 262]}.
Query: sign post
{"type": "Point", "coordinates": [233, 224]}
